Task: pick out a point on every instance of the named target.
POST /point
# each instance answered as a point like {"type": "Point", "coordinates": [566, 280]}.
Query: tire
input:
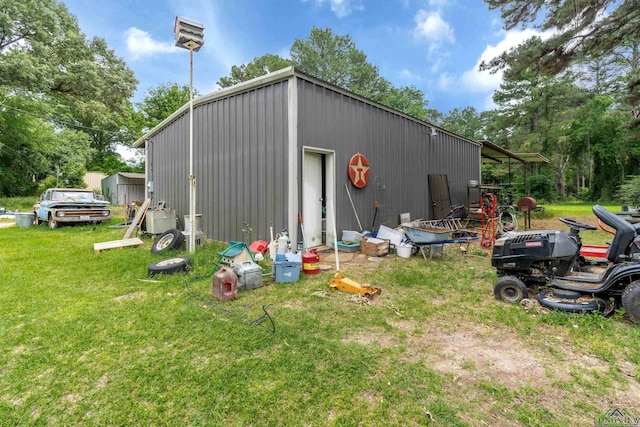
{"type": "Point", "coordinates": [510, 289]}
{"type": "Point", "coordinates": [169, 265]}
{"type": "Point", "coordinates": [508, 222]}
{"type": "Point", "coordinates": [631, 300]}
{"type": "Point", "coordinates": [36, 220]}
{"type": "Point", "coordinates": [53, 224]}
{"type": "Point", "coordinates": [170, 239]}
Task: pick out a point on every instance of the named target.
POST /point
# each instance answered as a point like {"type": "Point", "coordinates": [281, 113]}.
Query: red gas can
{"type": "Point", "coordinates": [225, 285]}
{"type": "Point", "coordinates": [311, 262]}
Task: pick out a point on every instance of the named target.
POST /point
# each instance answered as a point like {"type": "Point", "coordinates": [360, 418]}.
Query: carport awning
{"type": "Point", "coordinates": [492, 153]}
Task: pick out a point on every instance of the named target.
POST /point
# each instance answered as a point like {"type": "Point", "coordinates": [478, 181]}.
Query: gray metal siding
{"type": "Point", "coordinates": [400, 151]}
{"type": "Point", "coordinates": [120, 190]}
{"type": "Point", "coordinates": [240, 163]}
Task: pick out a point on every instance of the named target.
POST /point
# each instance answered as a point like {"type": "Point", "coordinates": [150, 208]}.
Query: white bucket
{"type": "Point", "coordinates": [404, 251]}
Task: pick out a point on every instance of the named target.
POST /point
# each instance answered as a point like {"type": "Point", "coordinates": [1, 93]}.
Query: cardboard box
{"type": "Point", "coordinates": [374, 247]}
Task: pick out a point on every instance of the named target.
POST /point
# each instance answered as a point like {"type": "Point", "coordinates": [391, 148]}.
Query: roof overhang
{"type": "Point", "coordinates": [492, 153]}
{"type": "Point", "coordinates": [279, 75]}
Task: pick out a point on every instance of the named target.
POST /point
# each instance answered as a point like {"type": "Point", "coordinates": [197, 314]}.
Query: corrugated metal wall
{"type": "Point", "coordinates": [240, 163]}
{"type": "Point", "coordinates": [120, 190]}
{"type": "Point", "coordinates": [241, 159]}
{"type": "Point", "coordinates": [401, 153]}
{"type": "Point", "coordinates": [93, 180]}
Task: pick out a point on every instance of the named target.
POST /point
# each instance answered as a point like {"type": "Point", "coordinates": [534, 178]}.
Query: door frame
{"type": "Point", "coordinates": [329, 184]}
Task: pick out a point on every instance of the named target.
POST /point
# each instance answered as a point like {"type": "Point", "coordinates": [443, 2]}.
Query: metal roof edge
{"type": "Point", "coordinates": [539, 158]}
{"type": "Point", "coordinates": [263, 80]}
{"type": "Point", "coordinates": [280, 75]}
{"type": "Point", "coordinates": [520, 157]}
{"type": "Point", "coordinates": [366, 100]}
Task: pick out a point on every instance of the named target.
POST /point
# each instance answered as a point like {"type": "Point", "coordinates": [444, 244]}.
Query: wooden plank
{"type": "Point", "coordinates": [117, 244]}
{"type": "Point", "coordinates": [141, 213]}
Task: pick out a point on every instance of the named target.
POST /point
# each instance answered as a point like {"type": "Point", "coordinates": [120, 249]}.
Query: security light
{"type": "Point", "coordinates": [189, 34]}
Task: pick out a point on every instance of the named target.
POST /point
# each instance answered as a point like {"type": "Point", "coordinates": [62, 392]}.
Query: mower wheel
{"type": "Point", "coordinates": [510, 289]}
{"type": "Point", "coordinates": [631, 300]}
{"type": "Point", "coordinates": [170, 239]}
{"type": "Point", "coordinates": [169, 265]}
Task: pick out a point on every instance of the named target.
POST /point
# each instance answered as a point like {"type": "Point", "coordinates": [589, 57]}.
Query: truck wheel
{"type": "Point", "coordinates": [169, 266]}
{"type": "Point", "coordinates": [510, 289]}
{"type": "Point", "coordinates": [53, 224]}
{"type": "Point", "coordinates": [36, 220]}
{"type": "Point", "coordinates": [170, 239]}
{"type": "Point", "coordinates": [631, 300]}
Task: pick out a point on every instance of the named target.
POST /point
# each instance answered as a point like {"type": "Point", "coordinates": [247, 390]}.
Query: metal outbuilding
{"type": "Point", "coordinates": [124, 187]}
{"type": "Point", "coordinates": [270, 148]}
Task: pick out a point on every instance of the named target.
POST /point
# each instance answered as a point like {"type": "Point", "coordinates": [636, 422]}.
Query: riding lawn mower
{"type": "Point", "coordinates": [551, 265]}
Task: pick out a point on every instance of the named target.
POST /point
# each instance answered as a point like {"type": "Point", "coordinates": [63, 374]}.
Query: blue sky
{"type": "Point", "coordinates": [435, 45]}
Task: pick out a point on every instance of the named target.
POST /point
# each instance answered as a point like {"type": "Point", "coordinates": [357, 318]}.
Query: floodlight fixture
{"type": "Point", "coordinates": [189, 34]}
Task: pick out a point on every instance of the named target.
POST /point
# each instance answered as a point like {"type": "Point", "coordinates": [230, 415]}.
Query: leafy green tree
{"type": "Point", "coordinates": [57, 75]}
{"type": "Point", "coordinates": [629, 191]}
{"type": "Point", "coordinates": [597, 129]}
{"type": "Point", "coordinates": [466, 122]}
{"type": "Point", "coordinates": [159, 103]}
{"type": "Point", "coordinates": [21, 136]}
{"type": "Point", "coordinates": [336, 59]}
{"type": "Point", "coordinates": [582, 31]}
{"type": "Point", "coordinates": [260, 66]}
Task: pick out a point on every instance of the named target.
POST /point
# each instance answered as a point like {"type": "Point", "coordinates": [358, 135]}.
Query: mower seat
{"type": "Point", "coordinates": [625, 232]}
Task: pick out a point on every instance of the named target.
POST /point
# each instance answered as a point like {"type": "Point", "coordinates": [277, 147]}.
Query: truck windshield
{"type": "Point", "coordinates": [72, 195]}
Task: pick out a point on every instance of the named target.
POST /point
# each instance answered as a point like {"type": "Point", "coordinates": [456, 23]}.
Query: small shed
{"type": "Point", "coordinates": [124, 187]}
{"type": "Point", "coordinates": [284, 144]}
{"type": "Point", "coordinates": [93, 180]}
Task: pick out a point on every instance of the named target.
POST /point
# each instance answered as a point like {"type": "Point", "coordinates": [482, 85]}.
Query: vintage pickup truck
{"type": "Point", "coordinates": [71, 205]}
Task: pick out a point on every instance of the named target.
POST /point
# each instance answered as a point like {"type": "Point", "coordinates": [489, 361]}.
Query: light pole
{"type": "Point", "coordinates": [190, 35]}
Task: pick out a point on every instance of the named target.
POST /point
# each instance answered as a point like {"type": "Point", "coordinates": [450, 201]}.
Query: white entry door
{"type": "Point", "coordinates": [312, 199]}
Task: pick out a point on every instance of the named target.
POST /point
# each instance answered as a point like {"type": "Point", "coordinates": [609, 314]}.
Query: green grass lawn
{"type": "Point", "coordinates": [91, 339]}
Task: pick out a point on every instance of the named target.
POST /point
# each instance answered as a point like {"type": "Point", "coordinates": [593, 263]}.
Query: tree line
{"type": "Point", "coordinates": [65, 100]}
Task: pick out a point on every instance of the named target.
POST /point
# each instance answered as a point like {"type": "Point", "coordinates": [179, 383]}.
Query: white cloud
{"type": "Point", "coordinates": [439, 4]}
{"type": "Point", "coordinates": [431, 27]}
{"type": "Point", "coordinates": [409, 76]}
{"type": "Point", "coordinates": [436, 64]}
{"type": "Point", "coordinates": [483, 81]}
{"type": "Point", "coordinates": [341, 8]}
{"type": "Point", "coordinates": [445, 81]}
{"type": "Point", "coordinates": [141, 45]}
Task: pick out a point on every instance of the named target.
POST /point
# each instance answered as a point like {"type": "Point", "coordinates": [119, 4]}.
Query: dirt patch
{"type": "Point", "coordinates": [474, 357]}
{"type": "Point", "coordinates": [475, 352]}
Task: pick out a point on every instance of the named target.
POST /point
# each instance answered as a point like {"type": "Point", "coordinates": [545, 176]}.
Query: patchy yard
{"type": "Point", "coordinates": [90, 339]}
